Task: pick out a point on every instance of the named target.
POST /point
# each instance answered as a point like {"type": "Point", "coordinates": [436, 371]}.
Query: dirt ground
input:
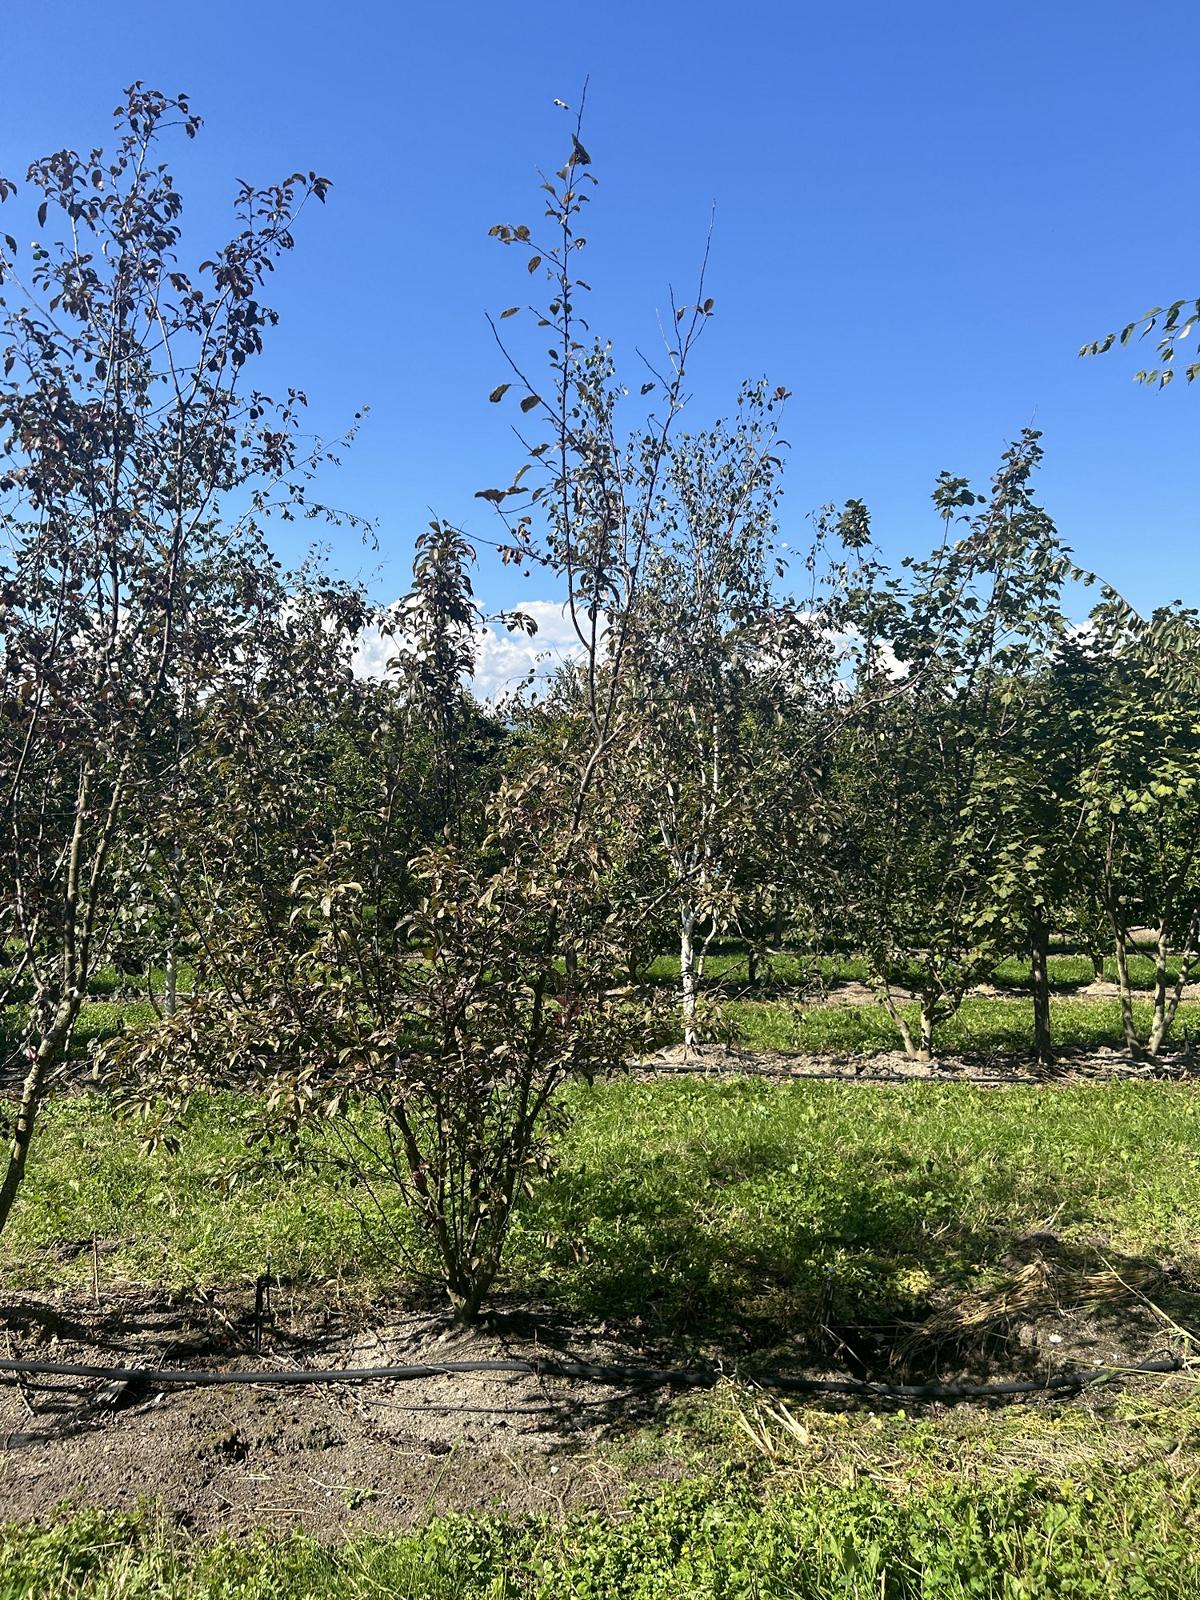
{"type": "Point", "coordinates": [324, 1457]}
{"type": "Point", "coordinates": [982, 1068]}
{"type": "Point", "coordinates": [331, 1458]}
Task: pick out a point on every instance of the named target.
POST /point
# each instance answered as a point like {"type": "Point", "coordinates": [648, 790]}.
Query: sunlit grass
{"type": "Point", "coordinates": [691, 1204]}
{"type": "Point", "coordinates": [984, 1535]}
{"type": "Point", "coordinates": [982, 1023]}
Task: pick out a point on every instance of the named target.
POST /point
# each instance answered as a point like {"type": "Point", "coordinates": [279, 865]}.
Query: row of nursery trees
{"type": "Point", "coordinates": [413, 918]}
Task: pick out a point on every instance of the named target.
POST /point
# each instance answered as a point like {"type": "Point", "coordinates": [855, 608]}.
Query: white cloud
{"type": "Point", "coordinates": [504, 661]}
{"type": "Point", "coordinates": [849, 646]}
{"type": "Point", "coordinates": [372, 652]}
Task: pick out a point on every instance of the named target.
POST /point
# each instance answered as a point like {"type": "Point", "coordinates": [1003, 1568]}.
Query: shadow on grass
{"type": "Point", "coordinates": [905, 1270]}
{"type": "Point", "coordinates": [808, 1225]}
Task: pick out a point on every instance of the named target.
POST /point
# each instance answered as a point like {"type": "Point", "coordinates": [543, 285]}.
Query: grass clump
{"type": "Point", "coordinates": [1012, 1536]}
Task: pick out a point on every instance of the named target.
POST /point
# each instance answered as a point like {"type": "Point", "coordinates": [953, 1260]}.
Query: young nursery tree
{"type": "Point", "coordinates": [414, 1010]}
{"type": "Point", "coordinates": [722, 669]}
{"type": "Point", "coordinates": [930, 796]}
{"type": "Point", "coordinates": [1038, 753]}
{"type": "Point", "coordinates": [136, 466]}
{"type": "Point", "coordinates": [1141, 789]}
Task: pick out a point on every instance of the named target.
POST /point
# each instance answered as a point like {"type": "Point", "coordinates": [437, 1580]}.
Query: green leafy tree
{"type": "Point", "coordinates": [942, 844]}
{"type": "Point", "coordinates": [720, 668]}
{"type": "Point", "coordinates": [1042, 878]}
{"type": "Point", "coordinates": [1142, 791]}
{"type": "Point", "coordinates": [127, 424]}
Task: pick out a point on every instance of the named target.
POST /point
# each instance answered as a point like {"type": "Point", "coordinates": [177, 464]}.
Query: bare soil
{"type": "Point", "coordinates": [331, 1458]}
{"type": "Point", "coordinates": [325, 1457]}
{"type": "Point", "coordinates": [982, 1068]}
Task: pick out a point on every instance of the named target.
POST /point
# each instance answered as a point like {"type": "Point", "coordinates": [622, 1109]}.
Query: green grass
{"type": "Point", "coordinates": [177, 1221]}
{"type": "Point", "coordinates": [107, 982]}
{"type": "Point", "coordinates": [98, 1020]}
{"type": "Point", "coordinates": [1064, 973]}
{"type": "Point", "coordinates": [727, 968]}
{"type": "Point", "coordinates": [991, 1023]}
{"type": "Point", "coordinates": [1075, 972]}
{"type": "Point", "coordinates": [790, 968]}
{"type": "Point", "coordinates": [705, 1206]}
{"type": "Point", "coordinates": [709, 1209]}
{"type": "Point", "coordinates": [1014, 1536]}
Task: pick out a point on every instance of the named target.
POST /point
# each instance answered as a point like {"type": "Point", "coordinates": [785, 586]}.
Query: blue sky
{"type": "Point", "coordinates": [921, 212]}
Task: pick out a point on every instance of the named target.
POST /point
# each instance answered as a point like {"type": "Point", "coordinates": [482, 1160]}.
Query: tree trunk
{"type": "Point", "coordinates": [1158, 1028]}
{"type": "Point", "coordinates": [1111, 902]}
{"type": "Point", "coordinates": [171, 964]}
{"type": "Point", "coordinates": [900, 1022]}
{"type": "Point", "coordinates": [1121, 955]}
{"type": "Point", "coordinates": [1132, 1043]}
{"type": "Point", "coordinates": [50, 1051]}
{"type": "Point", "coordinates": [926, 1051]}
{"type": "Point", "coordinates": [466, 1299]}
{"type": "Point", "coordinates": [687, 973]}
{"type": "Point", "coordinates": [1166, 1006]}
{"type": "Point", "coordinates": [1039, 954]}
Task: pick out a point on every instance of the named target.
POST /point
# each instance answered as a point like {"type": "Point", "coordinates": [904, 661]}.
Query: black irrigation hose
{"type": "Point", "coordinates": [165, 1377]}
